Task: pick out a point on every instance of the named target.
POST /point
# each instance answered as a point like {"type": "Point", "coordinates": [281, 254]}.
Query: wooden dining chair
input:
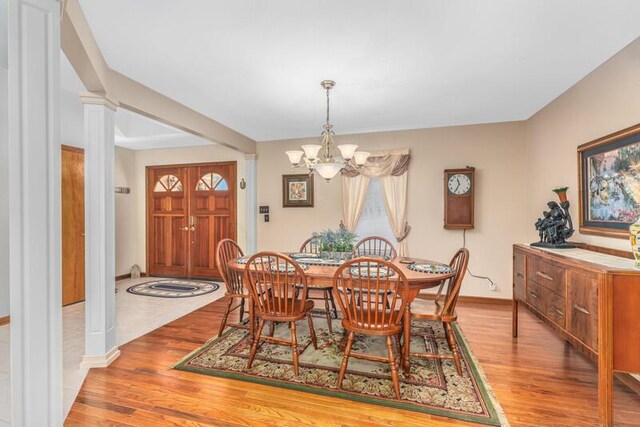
{"type": "Point", "coordinates": [226, 251]}
{"type": "Point", "coordinates": [445, 312]}
{"type": "Point", "coordinates": [359, 287]}
{"type": "Point", "coordinates": [312, 246]}
{"type": "Point", "coordinates": [273, 279]}
{"type": "Point", "coordinates": [375, 246]}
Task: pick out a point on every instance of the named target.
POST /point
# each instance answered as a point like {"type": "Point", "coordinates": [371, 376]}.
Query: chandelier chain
{"type": "Point", "coordinates": [327, 106]}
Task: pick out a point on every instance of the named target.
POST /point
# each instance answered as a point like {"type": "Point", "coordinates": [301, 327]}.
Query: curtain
{"type": "Point", "coordinates": [354, 191]}
{"type": "Point", "coordinates": [395, 197]}
{"type": "Point", "coordinates": [392, 168]}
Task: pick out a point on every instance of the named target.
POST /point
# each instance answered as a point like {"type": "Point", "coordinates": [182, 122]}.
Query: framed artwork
{"type": "Point", "coordinates": [297, 191]}
{"type": "Point", "coordinates": [609, 180]}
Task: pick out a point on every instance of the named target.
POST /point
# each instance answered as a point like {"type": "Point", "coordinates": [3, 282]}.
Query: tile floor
{"type": "Point", "coordinates": [135, 316]}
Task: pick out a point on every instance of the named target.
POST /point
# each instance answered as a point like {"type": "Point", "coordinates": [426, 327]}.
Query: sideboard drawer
{"type": "Point", "coordinates": [556, 309]}
{"type": "Point", "coordinates": [536, 295]}
{"type": "Point", "coordinates": [582, 298]}
{"type": "Point", "coordinates": [549, 275]}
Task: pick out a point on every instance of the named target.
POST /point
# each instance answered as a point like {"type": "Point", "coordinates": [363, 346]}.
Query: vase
{"type": "Point", "coordinates": [634, 235]}
{"type": "Point", "coordinates": [562, 195]}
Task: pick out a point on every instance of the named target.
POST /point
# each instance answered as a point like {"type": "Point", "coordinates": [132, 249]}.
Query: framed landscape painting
{"type": "Point", "coordinates": [297, 191]}
{"type": "Point", "coordinates": [609, 179]}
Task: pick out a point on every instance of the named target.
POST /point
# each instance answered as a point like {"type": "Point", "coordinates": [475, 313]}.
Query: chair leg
{"type": "Point", "coordinates": [224, 318]}
{"type": "Point", "coordinates": [272, 328]}
{"type": "Point", "coordinates": [241, 309]}
{"type": "Point", "coordinates": [453, 346]}
{"type": "Point", "coordinates": [312, 331]}
{"type": "Point", "coordinates": [254, 344]}
{"type": "Point", "coordinates": [398, 346]}
{"type": "Point", "coordinates": [333, 305]}
{"type": "Point", "coordinates": [327, 309]}
{"type": "Point", "coordinates": [252, 319]}
{"type": "Point", "coordinates": [394, 370]}
{"type": "Point", "coordinates": [294, 349]}
{"type": "Point", "coordinates": [345, 359]}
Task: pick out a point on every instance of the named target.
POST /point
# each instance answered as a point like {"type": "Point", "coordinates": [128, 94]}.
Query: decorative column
{"type": "Point", "coordinates": [100, 285]}
{"type": "Point", "coordinates": [252, 203]}
{"type": "Point", "coordinates": [34, 212]}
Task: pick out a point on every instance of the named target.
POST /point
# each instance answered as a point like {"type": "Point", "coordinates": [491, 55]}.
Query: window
{"type": "Point", "coordinates": [167, 183]}
{"type": "Point", "coordinates": [212, 181]}
{"type": "Point", "coordinates": [374, 220]}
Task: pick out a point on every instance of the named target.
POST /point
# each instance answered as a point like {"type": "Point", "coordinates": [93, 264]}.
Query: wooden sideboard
{"type": "Point", "coordinates": [591, 299]}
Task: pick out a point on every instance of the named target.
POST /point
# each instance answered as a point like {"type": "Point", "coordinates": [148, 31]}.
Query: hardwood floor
{"type": "Point", "coordinates": [538, 380]}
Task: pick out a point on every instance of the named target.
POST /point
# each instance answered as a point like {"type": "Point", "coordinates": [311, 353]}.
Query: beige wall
{"type": "Point", "coordinates": [605, 101]}
{"type": "Point", "coordinates": [125, 210]}
{"type": "Point", "coordinates": [144, 158]}
{"type": "Point", "coordinates": [495, 150]}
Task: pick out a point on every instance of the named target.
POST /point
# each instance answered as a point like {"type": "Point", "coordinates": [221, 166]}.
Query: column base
{"type": "Point", "coordinates": [100, 361]}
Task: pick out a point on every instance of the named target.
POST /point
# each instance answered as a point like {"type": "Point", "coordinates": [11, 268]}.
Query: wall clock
{"type": "Point", "coordinates": [459, 186]}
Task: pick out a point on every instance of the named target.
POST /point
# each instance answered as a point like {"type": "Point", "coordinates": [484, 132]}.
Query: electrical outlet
{"type": "Point", "coordinates": [493, 287]}
{"type": "Point", "coordinates": [264, 209]}
{"type": "Point", "coordinates": [266, 218]}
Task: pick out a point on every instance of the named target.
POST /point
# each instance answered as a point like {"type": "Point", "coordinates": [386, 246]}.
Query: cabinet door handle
{"type": "Point", "coordinates": [581, 309]}
{"type": "Point", "coordinates": [557, 310]}
{"type": "Point", "coordinates": [519, 275]}
{"type": "Point", "coordinates": [533, 294]}
{"type": "Point", "coordinates": [543, 275]}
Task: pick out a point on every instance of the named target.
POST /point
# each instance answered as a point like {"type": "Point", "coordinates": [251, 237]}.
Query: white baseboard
{"type": "Point", "coordinates": [100, 361]}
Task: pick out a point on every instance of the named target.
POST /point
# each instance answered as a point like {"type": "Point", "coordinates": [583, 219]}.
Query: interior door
{"type": "Point", "coordinates": [72, 225]}
{"type": "Point", "coordinates": [167, 221]}
{"type": "Point", "coordinates": [212, 214]}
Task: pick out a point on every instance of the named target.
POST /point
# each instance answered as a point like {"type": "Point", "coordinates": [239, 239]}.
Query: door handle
{"type": "Point", "coordinates": [533, 294]}
{"type": "Point", "coordinates": [184, 228]}
{"type": "Point", "coordinates": [557, 310]}
{"type": "Point", "coordinates": [519, 275]}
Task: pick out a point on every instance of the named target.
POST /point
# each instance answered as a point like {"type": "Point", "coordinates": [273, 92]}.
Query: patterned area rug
{"type": "Point", "coordinates": [432, 387]}
{"type": "Point", "coordinates": [171, 288]}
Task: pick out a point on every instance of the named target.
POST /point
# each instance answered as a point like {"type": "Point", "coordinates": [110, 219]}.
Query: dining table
{"type": "Point", "coordinates": [321, 275]}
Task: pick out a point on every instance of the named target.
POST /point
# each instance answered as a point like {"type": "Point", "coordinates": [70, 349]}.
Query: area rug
{"type": "Point", "coordinates": [433, 386]}
{"type": "Point", "coordinates": [171, 288]}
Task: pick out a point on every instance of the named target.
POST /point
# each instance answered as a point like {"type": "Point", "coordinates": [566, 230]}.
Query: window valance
{"type": "Point", "coordinates": [382, 163]}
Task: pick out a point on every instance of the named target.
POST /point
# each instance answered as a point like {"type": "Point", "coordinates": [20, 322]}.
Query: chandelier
{"type": "Point", "coordinates": [323, 158]}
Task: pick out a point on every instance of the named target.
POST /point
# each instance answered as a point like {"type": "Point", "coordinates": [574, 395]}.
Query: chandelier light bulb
{"type": "Point", "coordinates": [328, 170]}
{"type": "Point", "coordinates": [311, 151]}
{"type": "Point", "coordinates": [347, 150]}
{"type": "Point", "coordinates": [360, 157]}
{"type": "Point", "coordinates": [295, 156]}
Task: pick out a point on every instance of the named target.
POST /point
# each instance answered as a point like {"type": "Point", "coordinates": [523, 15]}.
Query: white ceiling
{"type": "Point", "coordinates": [132, 130]}
{"type": "Point", "coordinates": [256, 65]}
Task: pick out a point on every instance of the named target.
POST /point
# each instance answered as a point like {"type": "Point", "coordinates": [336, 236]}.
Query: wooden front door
{"type": "Point", "coordinates": [190, 209]}
{"type": "Point", "coordinates": [72, 225]}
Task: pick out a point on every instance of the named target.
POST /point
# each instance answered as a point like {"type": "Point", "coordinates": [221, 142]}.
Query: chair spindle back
{"type": "Point", "coordinates": [311, 246]}
{"type": "Point", "coordinates": [375, 246]}
{"type": "Point", "coordinates": [361, 292]}
{"type": "Point", "coordinates": [274, 291]}
{"type": "Point", "coordinates": [459, 263]}
{"type": "Point", "coordinates": [226, 251]}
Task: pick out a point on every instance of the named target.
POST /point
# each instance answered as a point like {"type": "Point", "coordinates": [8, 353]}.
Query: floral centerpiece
{"type": "Point", "coordinates": [336, 244]}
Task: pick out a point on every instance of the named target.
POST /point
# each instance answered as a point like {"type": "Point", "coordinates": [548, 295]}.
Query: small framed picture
{"type": "Point", "coordinates": [297, 191]}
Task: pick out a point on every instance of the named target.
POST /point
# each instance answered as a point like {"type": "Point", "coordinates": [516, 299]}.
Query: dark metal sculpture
{"type": "Point", "coordinates": [555, 226]}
